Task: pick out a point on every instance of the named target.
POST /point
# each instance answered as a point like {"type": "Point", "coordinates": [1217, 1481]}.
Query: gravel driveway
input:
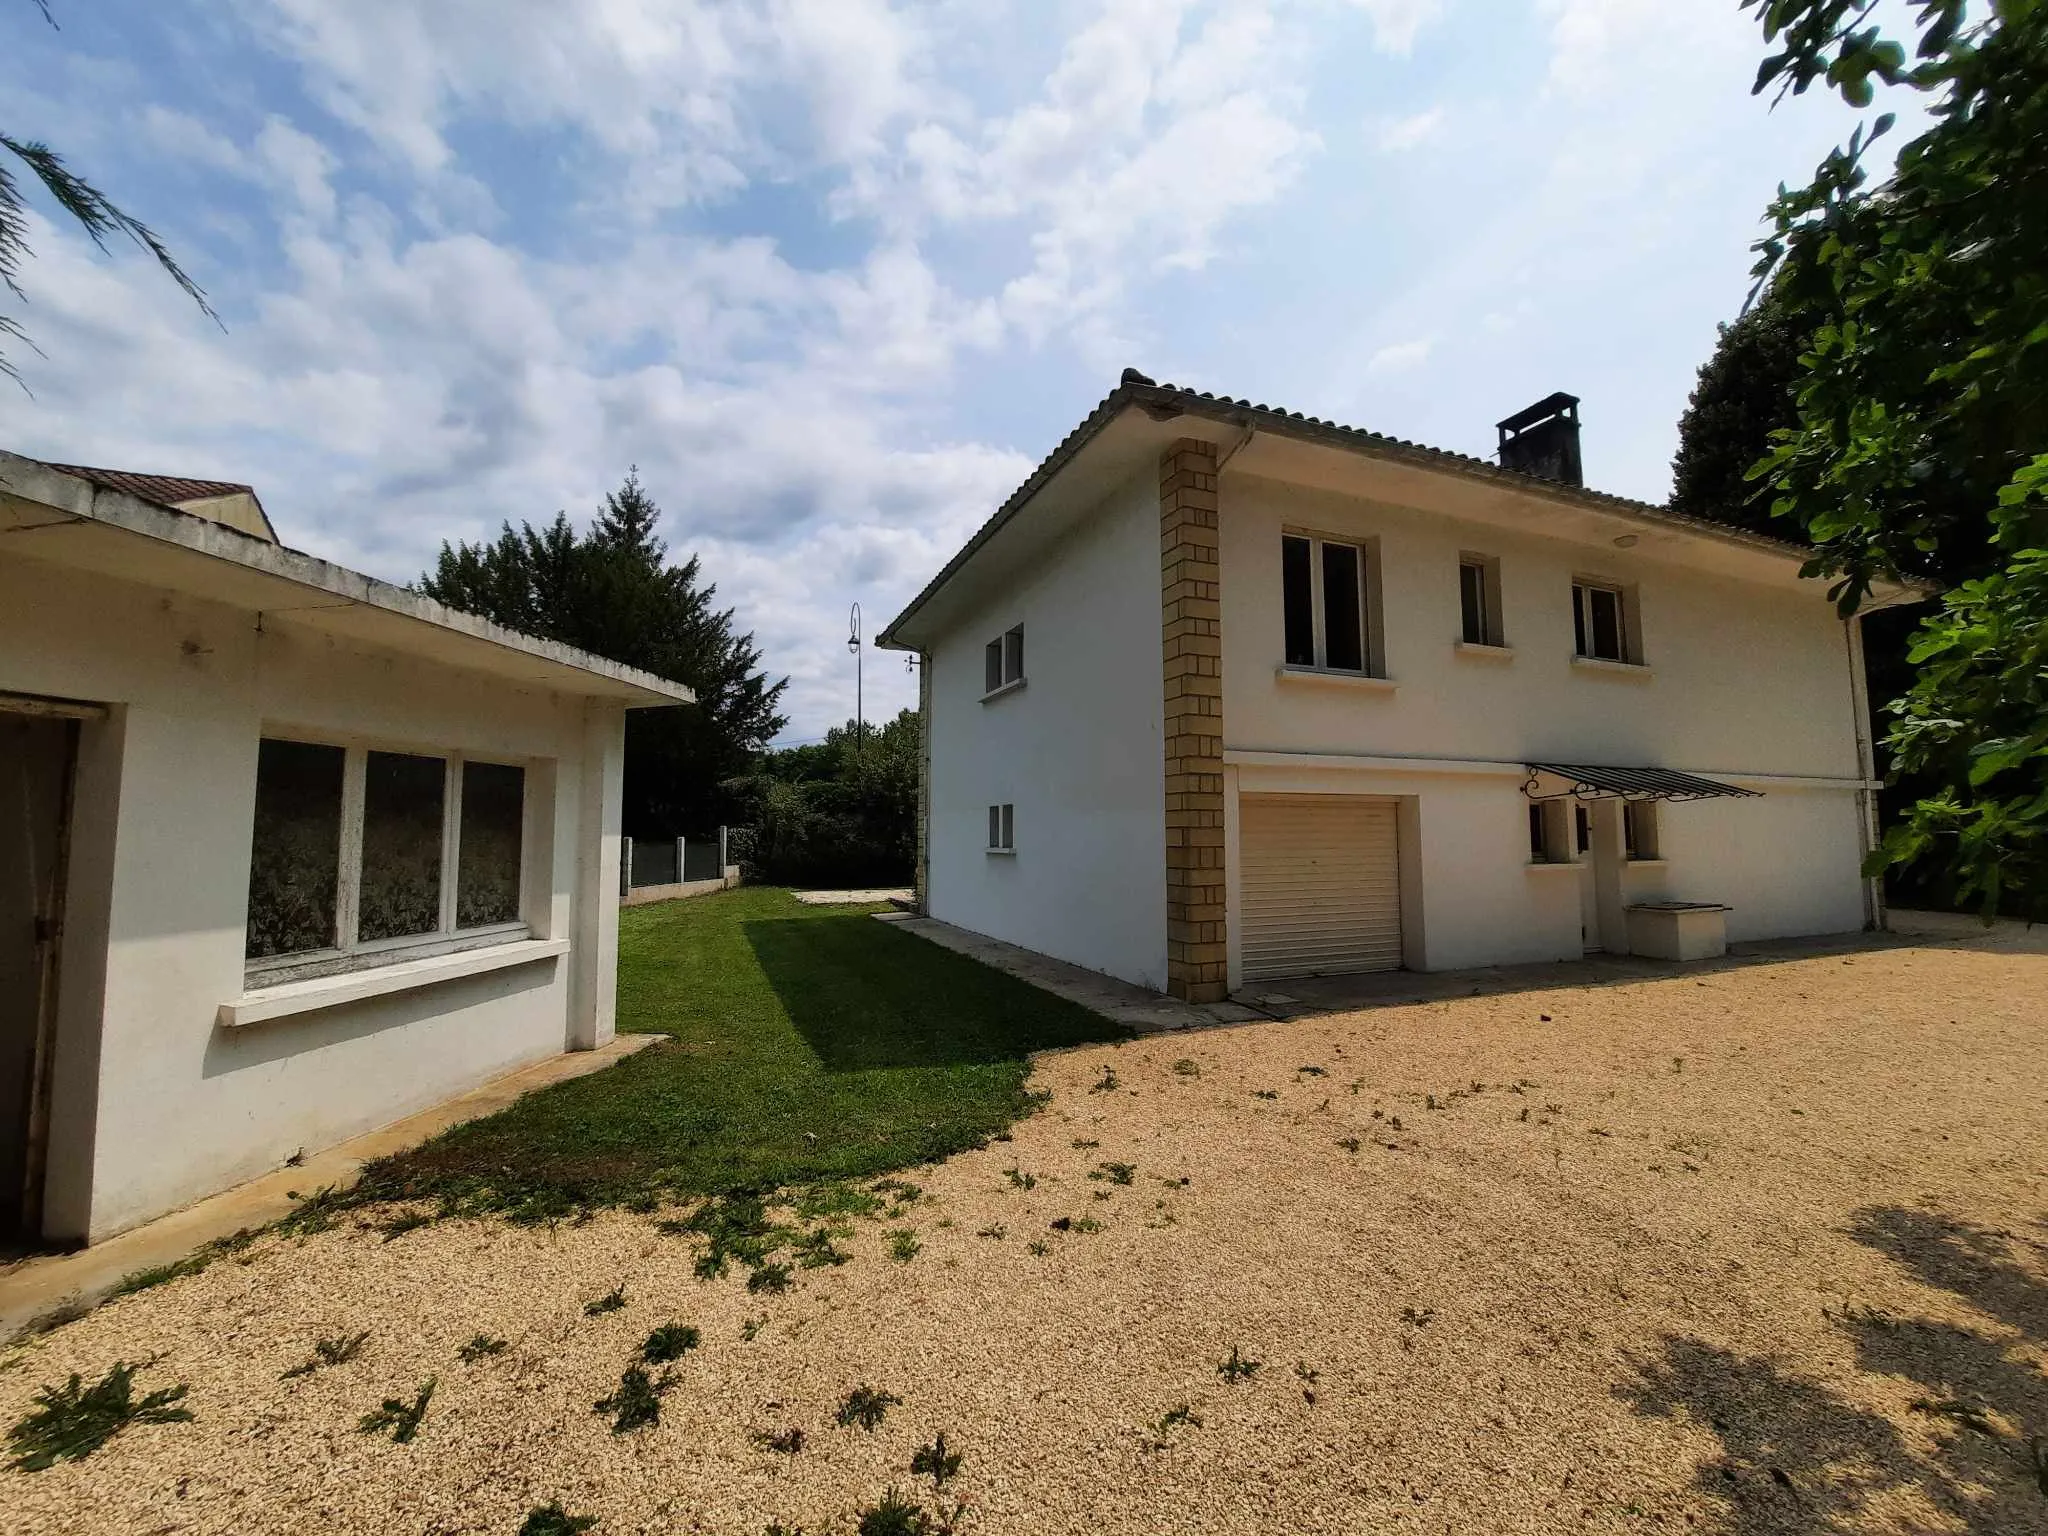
{"type": "Point", "coordinates": [1760, 1248]}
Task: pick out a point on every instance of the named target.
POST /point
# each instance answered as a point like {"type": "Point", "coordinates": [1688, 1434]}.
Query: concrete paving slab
{"type": "Point", "coordinates": [39, 1287]}
{"type": "Point", "coordinates": [1132, 1006]}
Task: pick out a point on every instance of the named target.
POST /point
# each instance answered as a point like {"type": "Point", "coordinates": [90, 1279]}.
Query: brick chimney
{"type": "Point", "coordinates": [1544, 440]}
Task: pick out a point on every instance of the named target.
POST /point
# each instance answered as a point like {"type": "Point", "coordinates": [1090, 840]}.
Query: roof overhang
{"type": "Point", "coordinates": [1125, 434]}
{"type": "Point", "coordinates": [1583, 781]}
{"type": "Point", "coordinates": [65, 521]}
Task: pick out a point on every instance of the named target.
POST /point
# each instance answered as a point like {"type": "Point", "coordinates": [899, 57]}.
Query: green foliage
{"type": "Point", "coordinates": [553, 1520]}
{"type": "Point", "coordinates": [903, 1245]}
{"type": "Point", "coordinates": [613, 592]}
{"type": "Point", "coordinates": [70, 1422]}
{"type": "Point", "coordinates": [894, 1515]}
{"type": "Point", "coordinates": [1920, 448]}
{"type": "Point", "coordinates": [936, 1462]}
{"type": "Point", "coordinates": [842, 813]}
{"type": "Point", "coordinates": [611, 1301]}
{"type": "Point", "coordinates": [481, 1347]}
{"type": "Point", "coordinates": [636, 1402]}
{"type": "Point", "coordinates": [1238, 1367]}
{"type": "Point", "coordinates": [337, 1350]}
{"type": "Point", "coordinates": [1745, 392]}
{"type": "Point", "coordinates": [671, 1341]}
{"type": "Point", "coordinates": [401, 1418]}
{"type": "Point", "coordinates": [94, 211]}
{"type": "Point", "coordinates": [193, 1262]}
{"type": "Point", "coordinates": [866, 1407]}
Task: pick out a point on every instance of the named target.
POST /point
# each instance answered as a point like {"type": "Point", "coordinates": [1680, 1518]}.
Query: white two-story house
{"type": "Point", "coordinates": [1224, 695]}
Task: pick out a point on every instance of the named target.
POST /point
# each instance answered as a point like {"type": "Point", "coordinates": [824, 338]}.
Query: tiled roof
{"type": "Point", "coordinates": [1134, 389]}
{"type": "Point", "coordinates": [165, 490]}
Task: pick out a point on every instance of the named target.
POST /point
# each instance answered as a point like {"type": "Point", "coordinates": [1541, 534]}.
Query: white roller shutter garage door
{"type": "Point", "coordinates": [1320, 885]}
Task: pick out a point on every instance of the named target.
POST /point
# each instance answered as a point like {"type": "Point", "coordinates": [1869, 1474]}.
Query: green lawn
{"type": "Point", "coordinates": [808, 1043]}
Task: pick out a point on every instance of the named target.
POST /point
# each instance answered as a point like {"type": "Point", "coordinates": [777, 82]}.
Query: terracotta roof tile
{"type": "Point", "coordinates": [165, 490]}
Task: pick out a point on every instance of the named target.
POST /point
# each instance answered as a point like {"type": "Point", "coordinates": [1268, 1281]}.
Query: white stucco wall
{"type": "Point", "coordinates": [154, 1103]}
{"type": "Point", "coordinates": [1744, 682]}
{"type": "Point", "coordinates": [1077, 750]}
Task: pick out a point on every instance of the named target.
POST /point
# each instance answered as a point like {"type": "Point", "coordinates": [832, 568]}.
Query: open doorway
{"type": "Point", "coordinates": [37, 752]}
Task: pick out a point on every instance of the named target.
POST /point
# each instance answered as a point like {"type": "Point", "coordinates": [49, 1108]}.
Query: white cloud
{"type": "Point", "coordinates": [1401, 356]}
{"type": "Point", "coordinates": [1399, 135]}
{"type": "Point", "coordinates": [1397, 23]}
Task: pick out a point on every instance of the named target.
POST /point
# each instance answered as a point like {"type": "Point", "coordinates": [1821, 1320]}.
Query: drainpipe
{"type": "Point", "coordinates": [1874, 916]}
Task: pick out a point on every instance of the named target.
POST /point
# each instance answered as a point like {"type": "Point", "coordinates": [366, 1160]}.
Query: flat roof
{"type": "Point", "coordinates": [48, 514]}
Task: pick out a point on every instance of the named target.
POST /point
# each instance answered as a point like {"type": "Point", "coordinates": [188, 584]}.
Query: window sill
{"type": "Point", "coordinates": [1481, 651]}
{"type": "Point", "coordinates": [1005, 691]}
{"type": "Point", "coordinates": [1000, 853]}
{"type": "Point", "coordinates": [1362, 681]}
{"type": "Point", "coordinates": [261, 1004]}
{"type": "Point", "coordinates": [1635, 671]}
{"type": "Point", "coordinates": [1547, 864]}
{"type": "Point", "coordinates": [1647, 864]}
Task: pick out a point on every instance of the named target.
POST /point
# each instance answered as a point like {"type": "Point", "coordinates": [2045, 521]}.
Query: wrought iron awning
{"type": "Point", "coordinates": [1556, 781]}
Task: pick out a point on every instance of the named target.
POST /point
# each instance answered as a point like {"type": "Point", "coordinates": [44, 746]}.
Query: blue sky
{"type": "Point", "coordinates": [835, 273]}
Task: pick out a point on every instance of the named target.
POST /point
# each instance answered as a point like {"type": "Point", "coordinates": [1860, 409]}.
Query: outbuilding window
{"type": "Point", "coordinates": [1326, 608]}
{"type": "Point", "coordinates": [358, 851]}
{"type": "Point", "coordinates": [1639, 829]}
{"type": "Point", "coordinates": [1003, 661]}
{"type": "Point", "coordinates": [1002, 829]}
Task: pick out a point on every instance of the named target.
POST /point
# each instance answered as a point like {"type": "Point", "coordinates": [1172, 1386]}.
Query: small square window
{"type": "Point", "coordinates": [1639, 829]}
{"type": "Point", "coordinates": [1600, 622]}
{"type": "Point", "coordinates": [1548, 833]}
{"type": "Point", "coordinates": [1002, 828]}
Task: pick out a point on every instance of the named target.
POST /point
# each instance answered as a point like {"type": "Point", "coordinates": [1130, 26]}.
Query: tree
{"type": "Point", "coordinates": [614, 593]}
{"type": "Point", "coordinates": [1920, 447]}
{"type": "Point", "coordinates": [1746, 391]}
{"type": "Point", "coordinates": [78, 197]}
{"type": "Point", "coordinates": [828, 815]}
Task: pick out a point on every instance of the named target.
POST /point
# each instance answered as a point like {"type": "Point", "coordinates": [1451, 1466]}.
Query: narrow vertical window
{"type": "Point", "coordinates": [295, 863]}
{"type": "Point", "coordinates": [488, 858]}
{"type": "Point", "coordinates": [1002, 828]}
{"type": "Point", "coordinates": [1343, 608]}
{"type": "Point", "coordinates": [1639, 829]}
{"type": "Point", "coordinates": [1297, 592]}
{"type": "Point", "coordinates": [992, 666]}
{"type": "Point", "coordinates": [1583, 818]}
{"type": "Point", "coordinates": [1472, 602]}
{"type": "Point", "coordinates": [401, 880]}
{"type": "Point", "coordinates": [1539, 838]}
{"type": "Point", "coordinates": [1009, 826]}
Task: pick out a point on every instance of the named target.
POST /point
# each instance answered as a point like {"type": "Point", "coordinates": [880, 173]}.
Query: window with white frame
{"type": "Point", "coordinates": [358, 851]}
{"type": "Point", "coordinates": [1003, 661]}
{"type": "Point", "coordinates": [1325, 596]}
{"type": "Point", "coordinates": [1002, 829]}
{"type": "Point", "coordinates": [1601, 622]}
{"type": "Point", "coordinates": [1479, 600]}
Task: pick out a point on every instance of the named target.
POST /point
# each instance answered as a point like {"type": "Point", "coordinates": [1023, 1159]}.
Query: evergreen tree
{"type": "Point", "coordinates": [1746, 391]}
{"type": "Point", "coordinates": [614, 593]}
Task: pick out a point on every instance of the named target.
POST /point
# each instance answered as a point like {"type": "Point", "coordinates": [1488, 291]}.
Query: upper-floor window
{"type": "Point", "coordinates": [1325, 587]}
{"type": "Point", "coordinates": [1479, 600]}
{"type": "Point", "coordinates": [357, 849]}
{"type": "Point", "coordinates": [1003, 661]}
{"type": "Point", "coordinates": [1601, 622]}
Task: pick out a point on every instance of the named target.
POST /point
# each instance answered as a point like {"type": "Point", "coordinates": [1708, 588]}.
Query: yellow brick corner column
{"type": "Point", "coordinates": [1193, 651]}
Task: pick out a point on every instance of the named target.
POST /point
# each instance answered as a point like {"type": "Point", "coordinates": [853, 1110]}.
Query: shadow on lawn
{"type": "Point", "coordinates": [1798, 1458]}
{"type": "Point", "coordinates": [866, 996]}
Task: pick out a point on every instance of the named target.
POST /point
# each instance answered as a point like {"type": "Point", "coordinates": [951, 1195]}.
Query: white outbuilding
{"type": "Point", "coordinates": [286, 853]}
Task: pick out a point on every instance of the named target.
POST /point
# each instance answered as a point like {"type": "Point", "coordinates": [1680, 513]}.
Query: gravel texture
{"type": "Point", "coordinates": [1672, 1255]}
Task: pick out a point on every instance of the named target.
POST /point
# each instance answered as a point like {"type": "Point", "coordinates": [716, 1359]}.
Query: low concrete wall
{"type": "Point", "coordinates": [652, 893]}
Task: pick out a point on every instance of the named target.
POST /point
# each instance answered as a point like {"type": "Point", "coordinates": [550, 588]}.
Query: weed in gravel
{"type": "Point", "coordinates": [1020, 1180]}
{"type": "Point", "coordinates": [734, 1226]}
{"type": "Point", "coordinates": [784, 1442]}
{"type": "Point", "coordinates": [827, 1202]}
{"type": "Point", "coordinates": [396, 1226]}
{"type": "Point", "coordinates": [1107, 1083]}
{"type": "Point", "coordinates": [1039, 1247]}
{"type": "Point", "coordinates": [994, 1229]}
{"type": "Point", "coordinates": [1265, 1093]}
{"type": "Point", "coordinates": [70, 1422]}
{"type": "Point", "coordinates": [316, 1212]}
{"type": "Point", "coordinates": [401, 1418]}
{"type": "Point", "coordinates": [903, 1245]}
{"type": "Point", "coordinates": [751, 1328]}
{"type": "Point", "coordinates": [1394, 1123]}
{"type": "Point", "coordinates": [337, 1350]}
{"type": "Point", "coordinates": [894, 1515]}
{"type": "Point", "coordinates": [771, 1279]}
{"type": "Point", "coordinates": [1082, 1144]}
{"type": "Point", "coordinates": [481, 1347]}
{"type": "Point", "coordinates": [1968, 1414]}
{"type": "Point", "coordinates": [1310, 1072]}
{"type": "Point", "coordinates": [902, 1191]}
{"type": "Point", "coordinates": [815, 1250]}
{"type": "Point", "coordinates": [866, 1407]}
{"type": "Point", "coordinates": [671, 1341]}
{"type": "Point", "coordinates": [1348, 1143]}
{"type": "Point", "coordinates": [936, 1462]}
{"type": "Point", "coordinates": [191, 1264]}
{"type": "Point", "coordinates": [1308, 1376]}
{"type": "Point", "coordinates": [1115, 1173]}
{"type": "Point", "coordinates": [1429, 1101]}
{"type": "Point", "coordinates": [1417, 1319]}
{"type": "Point", "coordinates": [1186, 1067]}
{"type": "Point", "coordinates": [610, 1301]}
{"type": "Point", "coordinates": [553, 1520]}
{"type": "Point", "coordinates": [1177, 1417]}
{"type": "Point", "coordinates": [635, 1402]}
{"type": "Point", "coordinates": [1238, 1367]}
{"type": "Point", "coordinates": [1524, 1115]}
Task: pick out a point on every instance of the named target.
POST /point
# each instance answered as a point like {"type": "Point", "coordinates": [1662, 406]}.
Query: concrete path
{"type": "Point", "coordinates": [1132, 1006]}
{"type": "Point", "coordinates": [64, 1284]}
{"type": "Point", "coordinates": [850, 898]}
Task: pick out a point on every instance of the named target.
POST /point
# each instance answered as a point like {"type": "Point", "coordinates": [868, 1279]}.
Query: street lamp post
{"type": "Point", "coordinates": [859, 706]}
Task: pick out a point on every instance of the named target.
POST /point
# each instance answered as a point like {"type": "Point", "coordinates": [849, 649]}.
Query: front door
{"type": "Point", "coordinates": [36, 754]}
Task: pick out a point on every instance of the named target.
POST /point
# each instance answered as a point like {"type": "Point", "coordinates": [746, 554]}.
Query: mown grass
{"type": "Point", "coordinates": [807, 1044]}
